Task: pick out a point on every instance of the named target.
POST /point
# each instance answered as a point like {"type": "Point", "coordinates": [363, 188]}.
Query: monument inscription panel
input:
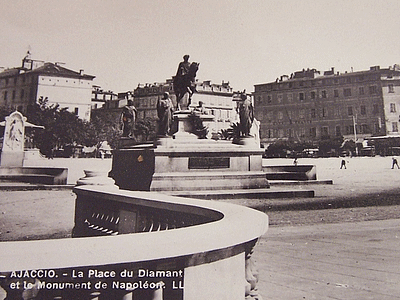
{"type": "Point", "coordinates": [209, 162]}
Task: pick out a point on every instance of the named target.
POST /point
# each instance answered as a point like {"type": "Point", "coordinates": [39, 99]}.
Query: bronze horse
{"type": "Point", "coordinates": [185, 84]}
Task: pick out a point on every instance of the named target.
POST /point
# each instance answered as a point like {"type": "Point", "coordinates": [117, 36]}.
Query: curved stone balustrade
{"type": "Point", "coordinates": [209, 251]}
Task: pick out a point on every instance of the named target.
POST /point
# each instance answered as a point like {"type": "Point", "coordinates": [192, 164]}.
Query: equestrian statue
{"type": "Point", "coordinates": [184, 81]}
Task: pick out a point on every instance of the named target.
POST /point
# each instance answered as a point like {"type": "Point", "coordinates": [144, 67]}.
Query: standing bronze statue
{"type": "Point", "coordinates": [184, 81]}
{"type": "Point", "coordinates": [165, 109]}
{"type": "Point", "coordinates": [128, 119]}
{"type": "Point", "coordinates": [246, 114]}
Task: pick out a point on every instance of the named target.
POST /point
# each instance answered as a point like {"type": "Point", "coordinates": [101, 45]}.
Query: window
{"type": "Point", "coordinates": [301, 114]}
{"type": "Point", "coordinates": [313, 132]}
{"type": "Point", "coordinates": [290, 97]}
{"type": "Point", "coordinates": [323, 94]}
{"type": "Point", "coordinates": [373, 90]}
{"type": "Point", "coordinates": [324, 112]}
{"type": "Point", "coordinates": [269, 99]}
{"type": "Point", "coordinates": [348, 80]}
{"type": "Point", "coordinates": [338, 131]}
{"type": "Point", "coordinates": [376, 128]}
{"type": "Point", "coordinates": [13, 94]}
{"type": "Point", "coordinates": [375, 109]}
{"type": "Point", "coordinates": [302, 132]}
{"type": "Point", "coordinates": [76, 111]}
{"type": "Point", "coordinates": [324, 131]}
{"type": "Point", "coordinates": [312, 95]}
{"type": "Point", "coordinates": [361, 90]}
{"type": "Point", "coordinates": [350, 129]}
{"type": "Point", "coordinates": [347, 92]}
{"type": "Point", "coordinates": [280, 98]}
{"type": "Point", "coordinates": [22, 94]}
{"type": "Point", "coordinates": [5, 95]}
{"type": "Point", "coordinates": [301, 96]}
{"type": "Point", "coordinates": [313, 113]}
{"type": "Point", "coordinates": [395, 127]}
{"type": "Point", "coordinates": [335, 93]}
{"type": "Point", "coordinates": [280, 115]}
{"type": "Point", "coordinates": [363, 110]}
{"type": "Point", "coordinates": [391, 88]}
{"type": "Point", "coordinates": [350, 110]}
{"type": "Point", "coordinates": [365, 128]}
{"type": "Point", "coordinates": [392, 107]}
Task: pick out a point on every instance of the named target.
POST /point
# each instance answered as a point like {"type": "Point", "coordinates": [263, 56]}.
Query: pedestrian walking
{"type": "Point", "coordinates": [343, 164]}
{"type": "Point", "coordinates": [394, 163]}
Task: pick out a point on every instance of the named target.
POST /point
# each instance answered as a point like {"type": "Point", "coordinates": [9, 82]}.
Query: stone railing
{"type": "Point", "coordinates": [140, 245]}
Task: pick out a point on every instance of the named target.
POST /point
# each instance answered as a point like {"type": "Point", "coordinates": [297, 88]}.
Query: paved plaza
{"type": "Point", "coordinates": [358, 260]}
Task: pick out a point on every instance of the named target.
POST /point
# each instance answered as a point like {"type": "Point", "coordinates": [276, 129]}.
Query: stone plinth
{"type": "Point", "coordinates": [207, 165]}
{"type": "Point", "coordinates": [289, 172]}
{"type": "Point", "coordinates": [185, 162]}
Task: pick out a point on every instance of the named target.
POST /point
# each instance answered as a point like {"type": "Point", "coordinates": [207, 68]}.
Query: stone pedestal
{"type": "Point", "coordinates": [12, 159]}
{"type": "Point", "coordinates": [207, 165]}
{"type": "Point", "coordinates": [186, 163]}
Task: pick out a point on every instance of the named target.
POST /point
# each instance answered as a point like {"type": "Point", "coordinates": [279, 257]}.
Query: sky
{"type": "Point", "coordinates": [246, 42]}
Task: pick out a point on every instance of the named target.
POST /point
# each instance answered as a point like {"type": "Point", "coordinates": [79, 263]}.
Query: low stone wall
{"type": "Point", "coordinates": [140, 245]}
{"type": "Point", "coordinates": [41, 175]}
{"type": "Point", "coordinates": [291, 172]}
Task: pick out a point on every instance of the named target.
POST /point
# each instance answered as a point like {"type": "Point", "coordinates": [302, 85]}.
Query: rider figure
{"type": "Point", "coordinates": [183, 67]}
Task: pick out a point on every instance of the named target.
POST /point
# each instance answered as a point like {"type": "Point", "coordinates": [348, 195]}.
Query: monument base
{"type": "Point", "coordinates": [12, 159]}
{"type": "Point", "coordinates": [186, 162]}
{"type": "Point", "coordinates": [183, 166]}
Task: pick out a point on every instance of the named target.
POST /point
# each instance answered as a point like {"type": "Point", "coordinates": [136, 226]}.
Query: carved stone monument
{"type": "Point", "coordinates": [12, 154]}
{"type": "Point", "coordinates": [187, 160]}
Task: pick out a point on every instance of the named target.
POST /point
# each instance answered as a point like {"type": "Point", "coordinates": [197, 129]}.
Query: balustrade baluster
{"type": "Point", "coordinates": [251, 274]}
{"type": "Point", "coordinates": [158, 293]}
{"type": "Point", "coordinates": [128, 296]}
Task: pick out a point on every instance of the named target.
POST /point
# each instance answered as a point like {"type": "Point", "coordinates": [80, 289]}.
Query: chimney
{"type": "Point", "coordinates": [81, 72]}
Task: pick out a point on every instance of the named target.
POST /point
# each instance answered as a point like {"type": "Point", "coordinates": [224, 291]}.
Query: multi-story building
{"type": "Point", "coordinates": [309, 105]}
{"type": "Point", "coordinates": [22, 86]}
{"type": "Point", "coordinates": [216, 98]}
{"type": "Point", "coordinates": [101, 98]}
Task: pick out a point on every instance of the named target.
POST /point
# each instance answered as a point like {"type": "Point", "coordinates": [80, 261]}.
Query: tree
{"type": "Point", "coordinates": [145, 129]}
{"type": "Point", "coordinates": [61, 128]}
{"type": "Point", "coordinates": [105, 126]}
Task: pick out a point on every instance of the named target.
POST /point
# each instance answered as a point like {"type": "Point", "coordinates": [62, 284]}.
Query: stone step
{"type": "Point", "coordinates": [244, 194]}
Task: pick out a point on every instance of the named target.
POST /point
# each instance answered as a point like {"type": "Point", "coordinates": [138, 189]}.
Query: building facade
{"type": "Point", "coordinates": [216, 98]}
{"type": "Point", "coordinates": [23, 86]}
{"type": "Point", "coordinates": [102, 98]}
{"type": "Point", "coordinates": [310, 106]}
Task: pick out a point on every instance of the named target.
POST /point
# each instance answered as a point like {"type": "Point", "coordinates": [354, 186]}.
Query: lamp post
{"type": "Point", "coordinates": [355, 133]}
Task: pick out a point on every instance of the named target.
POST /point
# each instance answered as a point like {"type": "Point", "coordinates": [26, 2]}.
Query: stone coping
{"type": "Point", "coordinates": [222, 150]}
{"type": "Point", "coordinates": [237, 226]}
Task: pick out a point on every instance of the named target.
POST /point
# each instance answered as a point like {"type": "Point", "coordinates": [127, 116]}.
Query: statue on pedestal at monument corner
{"type": "Point", "coordinates": [246, 114]}
{"type": "Point", "coordinates": [165, 109]}
{"type": "Point", "coordinates": [128, 119]}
